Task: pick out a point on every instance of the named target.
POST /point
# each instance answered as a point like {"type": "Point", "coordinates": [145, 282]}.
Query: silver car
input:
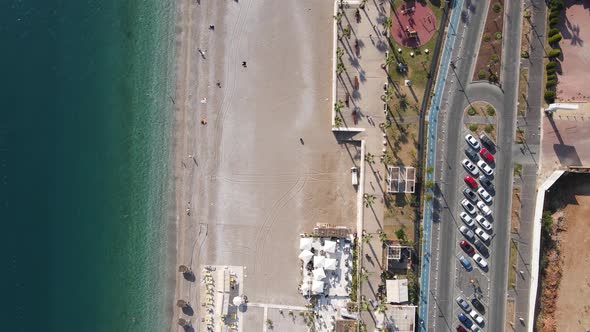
{"type": "Point", "coordinates": [468, 233]}
{"type": "Point", "coordinates": [485, 195]}
{"type": "Point", "coordinates": [474, 143]}
{"type": "Point", "coordinates": [463, 304]}
{"type": "Point", "coordinates": [467, 219]}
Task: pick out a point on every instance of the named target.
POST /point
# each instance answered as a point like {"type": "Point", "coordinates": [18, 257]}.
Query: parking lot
{"type": "Point", "coordinates": [474, 213]}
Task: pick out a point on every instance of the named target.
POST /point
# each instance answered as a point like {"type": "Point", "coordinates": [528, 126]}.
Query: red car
{"type": "Point", "coordinates": [470, 181]}
{"type": "Point", "coordinates": [461, 329]}
{"type": "Point", "coordinates": [486, 155]}
{"type": "Point", "coordinates": [467, 247]}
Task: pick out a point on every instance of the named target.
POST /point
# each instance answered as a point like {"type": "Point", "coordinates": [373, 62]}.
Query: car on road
{"type": "Point", "coordinates": [487, 141]}
{"type": "Point", "coordinates": [483, 208]}
{"type": "Point", "coordinates": [472, 141]}
{"type": "Point", "coordinates": [468, 206]}
{"type": "Point", "coordinates": [466, 247]}
{"type": "Point", "coordinates": [483, 250]}
{"type": "Point", "coordinates": [466, 219]}
{"type": "Point", "coordinates": [485, 195]}
{"type": "Point", "coordinates": [470, 181]}
{"type": "Point", "coordinates": [485, 168]}
{"type": "Point", "coordinates": [466, 264]}
{"type": "Point", "coordinates": [470, 194]}
{"type": "Point", "coordinates": [484, 223]}
{"type": "Point", "coordinates": [480, 261]}
{"type": "Point", "coordinates": [465, 320]}
{"type": "Point", "coordinates": [469, 152]}
{"type": "Point", "coordinates": [468, 233]}
{"type": "Point", "coordinates": [486, 182]}
{"type": "Point", "coordinates": [486, 155]}
{"type": "Point", "coordinates": [476, 317]}
{"type": "Point", "coordinates": [470, 167]}
{"type": "Point", "coordinates": [463, 304]}
{"type": "Point", "coordinates": [478, 305]}
{"type": "Point", "coordinates": [485, 237]}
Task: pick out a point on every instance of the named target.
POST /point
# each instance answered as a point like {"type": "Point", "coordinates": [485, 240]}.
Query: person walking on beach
{"type": "Point", "coordinates": [244, 64]}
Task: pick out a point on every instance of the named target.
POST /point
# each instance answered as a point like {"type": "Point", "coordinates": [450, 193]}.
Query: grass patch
{"type": "Point", "coordinates": [523, 91]}
{"type": "Point", "coordinates": [515, 214]}
{"type": "Point", "coordinates": [512, 264]}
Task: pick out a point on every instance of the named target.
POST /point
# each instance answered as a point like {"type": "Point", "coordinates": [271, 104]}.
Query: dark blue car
{"type": "Point", "coordinates": [466, 321]}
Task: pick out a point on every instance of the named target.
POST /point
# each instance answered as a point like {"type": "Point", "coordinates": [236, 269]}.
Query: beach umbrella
{"type": "Point", "coordinates": [319, 274]}
{"type": "Point", "coordinates": [306, 256]}
{"type": "Point", "coordinates": [305, 243]}
{"type": "Point", "coordinates": [330, 264]}
{"type": "Point", "coordinates": [181, 303]}
{"type": "Point", "coordinates": [238, 301]}
{"type": "Point", "coordinates": [318, 261]}
{"type": "Point", "coordinates": [317, 287]}
{"type": "Point", "coordinates": [330, 246]}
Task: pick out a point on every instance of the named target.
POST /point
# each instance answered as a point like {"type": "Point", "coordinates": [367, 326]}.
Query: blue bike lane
{"type": "Point", "coordinates": [431, 160]}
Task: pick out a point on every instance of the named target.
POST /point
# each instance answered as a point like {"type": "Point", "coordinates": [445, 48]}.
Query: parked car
{"type": "Point", "coordinates": [468, 233]}
{"type": "Point", "coordinates": [474, 328]}
{"type": "Point", "coordinates": [465, 320]}
{"type": "Point", "coordinates": [487, 141]}
{"type": "Point", "coordinates": [483, 250]}
{"type": "Point", "coordinates": [473, 142]}
{"type": "Point", "coordinates": [485, 237]}
{"type": "Point", "coordinates": [486, 155]}
{"type": "Point", "coordinates": [461, 329]}
{"type": "Point", "coordinates": [470, 194]}
{"type": "Point", "coordinates": [485, 195]}
{"type": "Point", "coordinates": [463, 304]}
{"type": "Point", "coordinates": [467, 247]}
{"type": "Point", "coordinates": [486, 182]}
{"type": "Point", "coordinates": [466, 219]}
{"type": "Point", "coordinates": [484, 223]}
{"type": "Point", "coordinates": [470, 167]}
{"type": "Point", "coordinates": [465, 262]}
{"type": "Point", "coordinates": [478, 305]}
{"type": "Point", "coordinates": [480, 261]}
{"type": "Point", "coordinates": [485, 168]}
{"type": "Point", "coordinates": [469, 152]}
{"type": "Point", "coordinates": [484, 208]}
{"type": "Point", "coordinates": [470, 181]}
{"type": "Point", "coordinates": [476, 317]}
{"type": "Point", "coordinates": [468, 206]}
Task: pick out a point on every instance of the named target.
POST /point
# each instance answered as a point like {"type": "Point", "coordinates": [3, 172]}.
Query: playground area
{"type": "Point", "coordinates": [575, 29]}
{"type": "Point", "coordinates": [413, 24]}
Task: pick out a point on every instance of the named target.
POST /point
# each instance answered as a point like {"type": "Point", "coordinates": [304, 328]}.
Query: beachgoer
{"type": "Point", "coordinates": [218, 84]}
{"type": "Point", "coordinates": [244, 64]}
{"type": "Point", "coordinates": [301, 140]}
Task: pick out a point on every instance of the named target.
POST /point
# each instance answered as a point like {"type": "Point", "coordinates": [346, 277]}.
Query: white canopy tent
{"type": "Point", "coordinates": [238, 301]}
{"type": "Point", "coordinates": [306, 256]}
{"type": "Point", "coordinates": [318, 261]}
{"type": "Point", "coordinates": [330, 264]}
{"type": "Point", "coordinates": [318, 274]}
{"type": "Point", "coordinates": [330, 246]}
{"type": "Point", "coordinates": [317, 287]}
{"type": "Point", "coordinates": [305, 243]}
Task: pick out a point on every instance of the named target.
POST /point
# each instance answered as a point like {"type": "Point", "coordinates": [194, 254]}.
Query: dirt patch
{"type": "Point", "coordinates": [512, 265]}
{"type": "Point", "coordinates": [515, 219]}
{"type": "Point", "coordinates": [400, 213]}
{"type": "Point", "coordinates": [523, 82]}
{"type": "Point", "coordinates": [413, 23]}
{"type": "Point", "coordinates": [525, 43]}
{"type": "Point", "coordinates": [509, 326]}
{"type": "Point", "coordinates": [489, 56]}
{"type": "Point", "coordinates": [480, 108]}
{"type": "Point", "coordinates": [519, 135]}
{"type": "Point", "coordinates": [476, 128]}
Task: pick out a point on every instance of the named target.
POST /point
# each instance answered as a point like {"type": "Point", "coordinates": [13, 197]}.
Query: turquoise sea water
{"type": "Point", "coordinates": [85, 148]}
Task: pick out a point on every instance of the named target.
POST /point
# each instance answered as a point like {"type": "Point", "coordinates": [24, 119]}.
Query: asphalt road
{"type": "Point", "coordinates": [448, 278]}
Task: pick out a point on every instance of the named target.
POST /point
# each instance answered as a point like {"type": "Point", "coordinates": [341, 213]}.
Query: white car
{"type": "Point", "coordinates": [485, 168]}
{"type": "Point", "coordinates": [480, 261]}
{"type": "Point", "coordinates": [466, 232]}
{"type": "Point", "coordinates": [485, 224]}
{"type": "Point", "coordinates": [468, 206]}
{"type": "Point", "coordinates": [474, 328]}
{"type": "Point", "coordinates": [470, 167]}
{"type": "Point", "coordinates": [474, 143]}
{"type": "Point", "coordinates": [482, 234]}
{"type": "Point", "coordinates": [476, 317]}
{"type": "Point", "coordinates": [466, 219]}
{"type": "Point", "coordinates": [484, 208]}
{"type": "Point", "coordinates": [485, 195]}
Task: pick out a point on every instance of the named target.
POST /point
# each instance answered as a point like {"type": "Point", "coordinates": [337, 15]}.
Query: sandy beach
{"type": "Point", "coordinates": [251, 186]}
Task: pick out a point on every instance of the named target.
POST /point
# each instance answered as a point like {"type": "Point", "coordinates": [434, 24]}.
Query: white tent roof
{"type": "Point", "coordinates": [319, 274]}
{"type": "Point", "coordinates": [330, 246]}
{"type": "Point", "coordinates": [317, 287]}
{"type": "Point", "coordinates": [237, 301]}
{"type": "Point", "coordinates": [306, 256]}
{"type": "Point", "coordinates": [318, 261]}
{"type": "Point", "coordinates": [305, 243]}
{"type": "Point", "coordinates": [330, 264]}
{"type": "Point", "coordinates": [397, 290]}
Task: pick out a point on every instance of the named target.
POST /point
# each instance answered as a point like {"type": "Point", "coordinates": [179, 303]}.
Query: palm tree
{"type": "Point", "coordinates": [367, 237]}
{"type": "Point", "coordinates": [387, 23]}
{"type": "Point", "coordinates": [390, 59]}
{"type": "Point", "coordinates": [382, 236]}
{"type": "Point", "coordinates": [362, 4]}
{"type": "Point", "coordinates": [339, 52]}
{"type": "Point", "coordinates": [338, 121]}
{"type": "Point", "coordinates": [338, 105]}
{"type": "Point", "coordinates": [338, 17]}
{"type": "Point", "coordinates": [388, 95]}
{"type": "Point", "coordinates": [369, 158]}
{"type": "Point", "coordinates": [369, 200]}
{"type": "Point", "coordinates": [339, 68]}
{"type": "Point", "coordinates": [346, 31]}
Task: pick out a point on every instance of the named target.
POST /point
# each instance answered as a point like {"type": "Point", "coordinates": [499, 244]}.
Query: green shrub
{"type": "Point", "coordinates": [489, 128]}
{"type": "Point", "coordinates": [554, 53]}
{"type": "Point", "coordinates": [471, 111]}
{"type": "Point", "coordinates": [551, 77]}
{"type": "Point", "coordinates": [549, 96]}
{"type": "Point", "coordinates": [481, 74]}
{"type": "Point", "coordinates": [490, 110]}
{"type": "Point", "coordinates": [498, 35]}
{"type": "Point", "coordinates": [551, 64]}
{"type": "Point", "coordinates": [550, 84]}
{"type": "Point", "coordinates": [524, 54]}
{"type": "Point", "coordinates": [556, 4]}
{"type": "Point", "coordinates": [551, 71]}
{"type": "Point", "coordinates": [487, 37]}
{"type": "Point", "coordinates": [555, 39]}
{"type": "Point", "coordinates": [493, 78]}
{"type": "Point", "coordinates": [553, 14]}
{"type": "Point", "coordinates": [553, 22]}
{"type": "Point", "coordinates": [494, 57]}
{"type": "Point", "coordinates": [552, 32]}
{"type": "Point", "coordinates": [497, 7]}
{"type": "Point", "coordinates": [473, 127]}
